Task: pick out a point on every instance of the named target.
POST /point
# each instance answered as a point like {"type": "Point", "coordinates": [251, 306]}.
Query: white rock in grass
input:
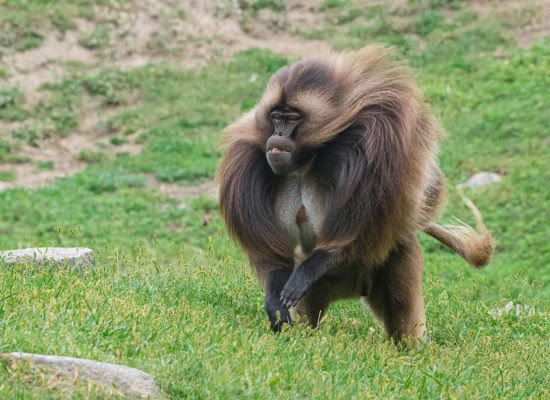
{"type": "Point", "coordinates": [129, 381]}
{"type": "Point", "coordinates": [70, 256]}
{"type": "Point", "coordinates": [480, 179]}
{"type": "Point", "coordinates": [517, 309]}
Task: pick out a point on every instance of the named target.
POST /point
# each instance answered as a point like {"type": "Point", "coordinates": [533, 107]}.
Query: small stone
{"type": "Point", "coordinates": [129, 381]}
{"type": "Point", "coordinates": [480, 179]}
{"type": "Point", "coordinates": [124, 30]}
{"type": "Point", "coordinates": [69, 256]}
{"type": "Point", "coordinates": [253, 78]}
{"type": "Point", "coordinates": [236, 6]}
{"type": "Point", "coordinates": [517, 309]}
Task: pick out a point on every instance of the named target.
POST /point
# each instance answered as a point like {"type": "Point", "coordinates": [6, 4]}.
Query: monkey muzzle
{"type": "Point", "coordinates": [279, 153]}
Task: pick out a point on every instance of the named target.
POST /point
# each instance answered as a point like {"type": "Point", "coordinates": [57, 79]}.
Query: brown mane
{"type": "Point", "coordinates": [369, 105]}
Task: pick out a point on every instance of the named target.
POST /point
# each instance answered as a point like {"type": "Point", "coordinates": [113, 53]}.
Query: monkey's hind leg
{"type": "Point", "coordinates": [311, 308]}
{"type": "Point", "coordinates": [396, 295]}
{"type": "Point", "coordinates": [328, 289]}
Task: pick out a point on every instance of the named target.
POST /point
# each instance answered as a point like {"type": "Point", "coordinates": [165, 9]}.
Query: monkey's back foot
{"type": "Point", "coordinates": [277, 318]}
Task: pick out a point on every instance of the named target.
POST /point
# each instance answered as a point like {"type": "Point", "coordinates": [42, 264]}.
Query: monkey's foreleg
{"type": "Point", "coordinates": [304, 276]}
{"type": "Point", "coordinates": [277, 313]}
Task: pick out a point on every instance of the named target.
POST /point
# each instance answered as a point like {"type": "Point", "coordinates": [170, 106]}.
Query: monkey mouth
{"type": "Point", "coordinates": [277, 150]}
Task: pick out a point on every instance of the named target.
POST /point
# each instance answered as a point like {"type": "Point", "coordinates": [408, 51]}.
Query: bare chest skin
{"type": "Point", "coordinates": [298, 207]}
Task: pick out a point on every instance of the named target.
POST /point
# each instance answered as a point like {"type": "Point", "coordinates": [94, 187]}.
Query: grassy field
{"type": "Point", "coordinates": [173, 296]}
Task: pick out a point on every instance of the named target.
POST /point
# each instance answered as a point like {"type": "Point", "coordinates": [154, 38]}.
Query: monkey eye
{"type": "Point", "coordinates": [276, 117]}
{"type": "Point", "coordinates": [293, 119]}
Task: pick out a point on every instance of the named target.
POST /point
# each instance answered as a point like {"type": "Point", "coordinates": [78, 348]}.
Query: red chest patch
{"type": "Point", "coordinates": [301, 217]}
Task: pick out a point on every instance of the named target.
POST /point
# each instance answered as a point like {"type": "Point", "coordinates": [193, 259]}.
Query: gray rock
{"type": "Point", "coordinates": [70, 256]}
{"type": "Point", "coordinates": [480, 179]}
{"type": "Point", "coordinates": [130, 381]}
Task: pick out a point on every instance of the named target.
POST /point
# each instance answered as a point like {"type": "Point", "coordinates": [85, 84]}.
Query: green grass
{"type": "Point", "coordinates": [90, 156]}
{"type": "Point", "coordinates": [22, 21]}
{"type": "Point", "coordinates": [428, 22]}
{"type": "Point", "coordinates": [97, 39]}
{"type": "Point", "coordinates": [172, 295]}
{"type": "Point", "coordinates": [198, 326]}
{"type": "Point", "coordinates": [45, 165]}
{"type": "Point", "coordinates": [7, 155]}
{"type": "Point", "coordinates": [276, 5]}
{"type": "Point", "coordinates": [116, 141]}
{"type": "Point", "coordinates": [11, 99]}
{"type": "Point", "coordinates": [7, 176]}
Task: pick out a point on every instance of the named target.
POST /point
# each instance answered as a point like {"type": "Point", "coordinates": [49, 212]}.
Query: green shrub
{"type": "Point", "coordinates": [428, 22]}
{"type": "Point", "coordinates": [62, 20]}
{"type": "Point", "coordinates": [7, 176]}
{"type": "Point", "coordinates": [9, 95]}
{"type": "Point", "coordinates": [7, 156]}
{"type": "Point", "coordinates": [258, 60]}
{"type": "Point", "coordinates": [348, 15]}
{"type": "Point", "coordinates": [142, 138]}
{"type": "Point", "coordinates": [277, 5]}
{"type": "Point", "coordinates": [465, 17]}
{"type": "Point", "coordinates": [116, 141]}
{"type": "Point", "coordinates": [30, 40]}
{"type": "Point", "coordinates": [158, 44]}
{"type": "Point", "coordinates": [16, 159]}
{"type": "Point", "coordinates": [61, 110]}
{"type": "Point", "coordinates": [111, 84]}
{"type": "Point", "coordinates": [90, 156]}
{"type": "Point", "coordinates": [44, 165]}
{"type": "Point", "coordinates": [169, 173]}
{"type": "Point", "coordinates": [328, 4]}
{"type": "Point", "coordinates": [434, 4]}
{"type": "Point", "coordinates": [30, 134]}
{"type": "Point", "coordinates": [112, 180]}
{"type": "Point", "coordinates": [97, 39]}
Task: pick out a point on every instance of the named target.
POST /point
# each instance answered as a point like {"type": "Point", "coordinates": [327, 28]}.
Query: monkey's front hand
{"type": "Point", "coordinates": [297, 285]}
{"type": "Point", "coordinates": [304, 276]}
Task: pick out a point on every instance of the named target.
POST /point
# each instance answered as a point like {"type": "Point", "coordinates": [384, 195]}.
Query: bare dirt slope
{"type": "Point", "coordinates": [192, 35]}
{"type": "Point", "coordinates": [199, 33]}
{"type": "Point", "coordinates": [149, 30]}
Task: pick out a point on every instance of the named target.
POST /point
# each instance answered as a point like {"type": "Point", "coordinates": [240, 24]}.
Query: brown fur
{"type": "Point", "coordinates": [375, 146]}
{"type": "Point", "coordinates": [474, 245]}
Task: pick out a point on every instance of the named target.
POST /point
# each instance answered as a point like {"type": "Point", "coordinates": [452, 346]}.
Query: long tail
{"type": "Point", "coordinates": [473, 245]}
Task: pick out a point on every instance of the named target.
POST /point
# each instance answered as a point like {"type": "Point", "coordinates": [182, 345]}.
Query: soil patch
{"type": "Point", "coordinates": [182, 193]}
{"type": "Point", "coordinates": [31, 68]}
{"type": "Point", "coordinates": [539, 26]}
{"type": "Point", "coordinates": [62, 152]}
{"type": "Point", "coordinates": [196, 34]}
{"type": "Point", "coordinates": [536, 15]}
